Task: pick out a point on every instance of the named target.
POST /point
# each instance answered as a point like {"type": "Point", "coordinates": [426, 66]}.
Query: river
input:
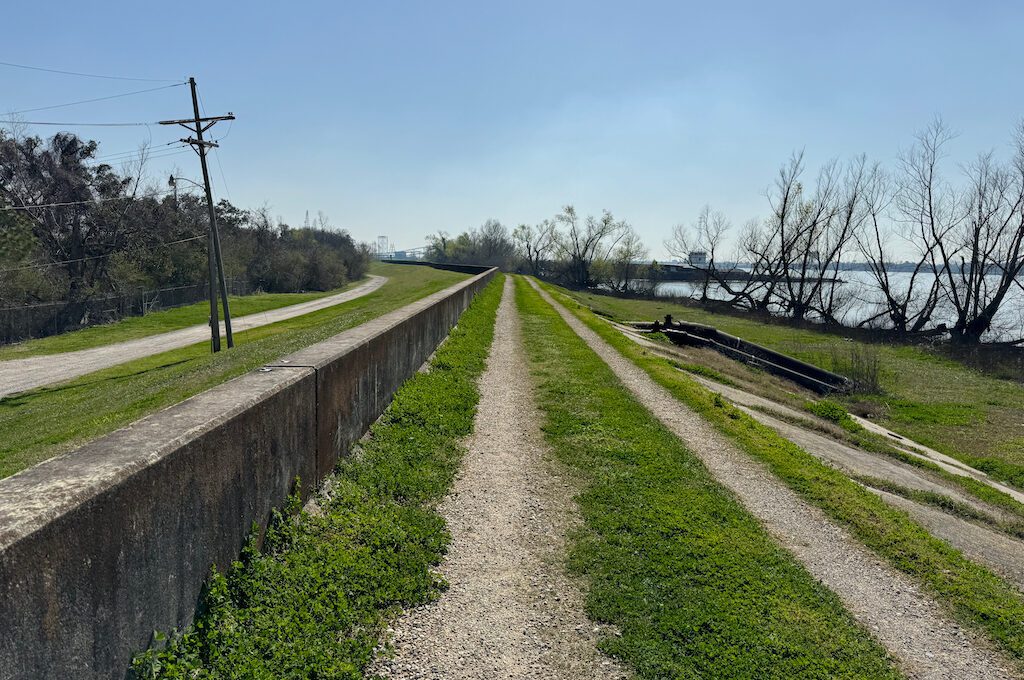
{"type": "Point", "coordinates": [863, 300]}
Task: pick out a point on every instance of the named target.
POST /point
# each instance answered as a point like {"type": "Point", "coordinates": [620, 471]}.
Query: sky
{"type": "Point", "coordinates": [406, 118]}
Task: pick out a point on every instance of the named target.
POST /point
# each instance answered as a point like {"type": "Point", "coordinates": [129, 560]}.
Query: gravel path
{"type": "Point", "coordinates": [510, 611]}
{"type": "Point", "coordinates": [18, 375]}
{"type": "Point", "coordinates": [1002, 553]}
{"type": "Point", "coordinates": [910, 624]}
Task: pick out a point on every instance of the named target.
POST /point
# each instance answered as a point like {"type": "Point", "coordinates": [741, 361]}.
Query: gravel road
{"type": "Point", "coordinates": [510, 611]}
{"type": "Point", "coordinates": [18, 375]}
{"type": "Point", "coordinates": [1002, 553]}
{"type": "Point", "coordinates": [913, 627]}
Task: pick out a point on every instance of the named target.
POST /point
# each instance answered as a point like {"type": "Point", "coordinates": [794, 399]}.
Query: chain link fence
{"type": "Point", "coordinates": [51, 318]}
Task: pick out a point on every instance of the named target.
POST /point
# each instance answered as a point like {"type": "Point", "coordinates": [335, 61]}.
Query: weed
{"type": "Point", "coordinates": [861, 363]}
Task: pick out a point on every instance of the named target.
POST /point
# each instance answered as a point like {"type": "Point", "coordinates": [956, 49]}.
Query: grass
{"type": "Point", "coordinates": [693, 583]}
{"type": "Point", "coordinates": [314, 601]}
{"type": "Point", "coordinates": [927, 397]}
{"type": "Point", "coordinates": [154, 323]}
{"type": "Point", "coordinates": [973, 594]}
{"type": "Point", "coordinates": [51, 420]}
{"type": "Point", "coordinates": [945, 503]}
{"type": "Point", "coordinates": [833, 412]}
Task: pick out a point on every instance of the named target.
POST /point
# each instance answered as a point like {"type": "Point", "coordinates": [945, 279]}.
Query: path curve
{"type": "Point", "coordinates": [510, 611]}
{"type": "Point", "coordinates": [912, 626]}
{"type": "Point", "coordinates": [18, 375]}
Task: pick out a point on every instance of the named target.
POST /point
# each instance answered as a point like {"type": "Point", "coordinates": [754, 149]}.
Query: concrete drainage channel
{"type": "Point", "coordinates": [104, 545]}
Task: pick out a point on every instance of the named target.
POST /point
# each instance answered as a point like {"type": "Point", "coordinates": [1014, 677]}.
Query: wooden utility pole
{"type": "Point", "coordinates": [198, 126]}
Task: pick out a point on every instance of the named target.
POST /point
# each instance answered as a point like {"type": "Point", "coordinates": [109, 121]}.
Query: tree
{"type": "Point", "coordinates": [76, 209]}
{"type": "Point", "coordinates": [705, 235]}
{"type": "Point", "coordinates": [814, 231]}
{"type": "Point", "coordinates": [585, 241]}
{"type": "Point", "coordinates": [626, 262]}
{"type": "Point", "coordinates": [534, 244]}
{"type": "Point", "coordinates": [985, 252]}
{"type": "Point", "coordinates": [912, 197]}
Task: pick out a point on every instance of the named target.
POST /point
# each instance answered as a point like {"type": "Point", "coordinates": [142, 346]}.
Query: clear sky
{"type": "Point", "coordinates": [403, 118]}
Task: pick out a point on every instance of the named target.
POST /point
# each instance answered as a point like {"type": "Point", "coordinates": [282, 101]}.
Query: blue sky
{"type": "Point", "coordinates": [404, 118]}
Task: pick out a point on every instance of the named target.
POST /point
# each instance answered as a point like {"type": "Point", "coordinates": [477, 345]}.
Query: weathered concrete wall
{"type": "Point", "coordinates": [102, 546]}
{"type": "Point", "coordinates": [358, 372]}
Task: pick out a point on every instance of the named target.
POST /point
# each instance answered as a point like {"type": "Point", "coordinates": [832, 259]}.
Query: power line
{"type": "Point", "coordinates": [95, 200]}
{"type": "Point", "coordinates": [93, 257]}
{"type": "Point", "coordinates": [96, 99]}
{"type": "Point", "coordinates": [87, 75]}
{"type": "Point", "coordinates": [159, 147]}
{"type": "Point", "coordinates": [37, 122]}
{"type": "Point", "coordinates": [216, 155]}
{"type": "Point", "coordinates": [110, 160]}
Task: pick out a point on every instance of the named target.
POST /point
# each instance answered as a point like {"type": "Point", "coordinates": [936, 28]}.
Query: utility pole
{"type": "Point", "coordinates": [198, 126]}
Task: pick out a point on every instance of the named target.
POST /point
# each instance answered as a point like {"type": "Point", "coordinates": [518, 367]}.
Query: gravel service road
{"type": "Point", "coordinates": [18, 375]}
{"type": "Point", "coordinates": [510, 611]}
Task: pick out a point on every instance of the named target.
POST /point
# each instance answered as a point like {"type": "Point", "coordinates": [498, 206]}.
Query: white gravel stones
{"type": "Point", "coordinates": [510, 611]}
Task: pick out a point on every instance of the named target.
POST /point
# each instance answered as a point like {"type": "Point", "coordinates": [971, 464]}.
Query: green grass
{"type": "Point", "coordinates": [945, 503]}
{"type": "Point", "coordinates": [694, 584]}
{"type": "Point", "coordinates": [833, 412]}
{"type": "Point", "coordinates": [973, 594]}
{"type": "Point", "coordinates": [313, 602]}
{"type": "Point", "coordinates": [42, 423]}
{"type": "Point", "coordinates": [939, 402]}
{"type": "Point", "coordinates": [132, 328]}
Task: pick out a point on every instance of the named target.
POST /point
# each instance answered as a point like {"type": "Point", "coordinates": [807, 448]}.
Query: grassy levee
{"type": "Point", "coordinates": [314, 600]}
{"type": "Point", "coordinates": [974, 595]}
{"type": "Point", "coordinates": [695, 585]}
{"type": "Point", "coordinates": [45, 422]}
{"type": "Point", "coordinates": [930, 398]}
{"type": "Point", "coordinates": [154, 323]}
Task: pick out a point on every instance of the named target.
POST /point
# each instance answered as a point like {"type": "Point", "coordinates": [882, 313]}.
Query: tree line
{"type": "Point", "coordinates": [963, 233]}
{"type": "Point", "coordinates": [73, 229]}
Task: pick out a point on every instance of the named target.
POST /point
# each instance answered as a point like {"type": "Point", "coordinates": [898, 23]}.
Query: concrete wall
{"type": "Point", "coordinates": [104, 545]}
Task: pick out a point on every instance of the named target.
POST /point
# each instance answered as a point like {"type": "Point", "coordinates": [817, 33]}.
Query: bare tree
{"type": "Point", "coordinates": [814, 231]}
{"type": "Point", "coordinates": [984, 256]}
{"type": "Point", "coordinates": [920, 215]}
{"type": "Point", "coordinates": [534, 244]}
{"type": "Point", "coordinates": [585, 241]}
{"type": "Point", "coordinates": [706, 235]}
{"type": "Point", "coordinates": [626, 262]}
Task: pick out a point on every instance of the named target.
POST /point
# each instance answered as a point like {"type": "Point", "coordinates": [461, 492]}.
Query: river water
{"type": "Point", "coordinates": [863, 300]}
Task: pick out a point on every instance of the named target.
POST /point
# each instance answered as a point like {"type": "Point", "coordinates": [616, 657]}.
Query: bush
{"type": "Point", "coordinates": [860, 363]}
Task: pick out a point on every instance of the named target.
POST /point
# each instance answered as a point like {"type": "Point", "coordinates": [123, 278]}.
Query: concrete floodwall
{"type": "Point", "coordinates": [104, 545]}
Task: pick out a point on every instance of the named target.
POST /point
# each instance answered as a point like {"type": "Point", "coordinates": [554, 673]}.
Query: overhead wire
{"type": "Point", "coordinates": [136, 156]}
{"type": "Point", "coordinates": [39, 122]}
{"type": "Point", "coordinates": [88, 75]}
{"type": "Point", "coordinates": [224, 179]}
{"type": "Point", "coordinates": [95, 99]}
{"type": "Point", "coordinates": [154, 194]}
{"type": "Point", "coordinates": [159, 149]}
{"type": "Point", "coordinates": [94, 257]}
